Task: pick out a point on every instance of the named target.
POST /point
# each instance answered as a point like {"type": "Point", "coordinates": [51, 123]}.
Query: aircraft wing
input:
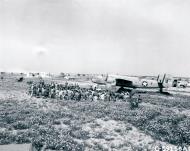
{"type": "Point", "coordinates": [124, 83]}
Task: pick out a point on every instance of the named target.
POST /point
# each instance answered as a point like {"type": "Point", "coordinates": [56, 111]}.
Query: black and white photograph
{"type": "Point", "coordinates": [94, 75]}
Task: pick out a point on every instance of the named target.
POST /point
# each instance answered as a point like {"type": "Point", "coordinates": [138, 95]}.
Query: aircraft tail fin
{"type": "Point", "coordinates": [164, 81]}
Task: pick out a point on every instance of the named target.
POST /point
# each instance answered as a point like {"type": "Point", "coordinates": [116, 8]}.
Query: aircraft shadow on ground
{"type": "Point", "coordinates": [157, 92]}
{"type": "Point", "coordinates": [165, 93]}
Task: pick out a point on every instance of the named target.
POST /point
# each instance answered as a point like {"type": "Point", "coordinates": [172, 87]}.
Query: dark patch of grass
{"type": "Point", "coordinates": [20, 125]}
{"type": "Point", "coordinates": [80, 134]}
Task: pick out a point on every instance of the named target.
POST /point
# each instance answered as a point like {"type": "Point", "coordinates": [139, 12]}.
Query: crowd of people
{"type": "Point", "coordinates": [68, 91]}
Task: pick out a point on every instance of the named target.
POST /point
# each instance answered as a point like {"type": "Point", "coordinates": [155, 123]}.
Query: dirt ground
{"type": "Point", "coordinates": [92, 125]}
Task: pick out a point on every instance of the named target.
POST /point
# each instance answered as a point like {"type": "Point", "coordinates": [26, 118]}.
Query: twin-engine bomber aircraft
{"type": "Point", "coordinates": [127, 83]}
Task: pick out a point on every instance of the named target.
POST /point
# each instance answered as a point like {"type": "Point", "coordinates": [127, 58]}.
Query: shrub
{"type": "Point", "coordinates": [20, 125]}
{"type": "Point", "coordinates": [22, 137]}
{"type": "Point", "coordinates": [55, 140]}
{"type": "Point", "coordinates": [171, 128]}
{"type": "Point", "coordinates": [80, 134]}
{"type": "Point", "coordinates": [5, 137]}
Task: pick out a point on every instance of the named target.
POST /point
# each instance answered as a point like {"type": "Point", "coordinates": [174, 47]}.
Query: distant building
{"type": "Point", "coordinates": [38, 75]}
{"type": "Point", "coordinates": [44, 75]}
{"type": "Point", "coordinates": [30, 75]}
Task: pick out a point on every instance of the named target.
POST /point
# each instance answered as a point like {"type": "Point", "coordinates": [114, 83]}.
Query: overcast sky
{"type": "Point", "coordinates": [139, 37]}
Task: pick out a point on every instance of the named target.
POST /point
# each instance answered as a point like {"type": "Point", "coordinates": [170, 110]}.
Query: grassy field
{"type": "Point", "coordinates": [86, 125]}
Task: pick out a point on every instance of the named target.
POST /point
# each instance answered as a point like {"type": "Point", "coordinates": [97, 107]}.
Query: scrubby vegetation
{"type": "Point", "coordinates": [58, 124]}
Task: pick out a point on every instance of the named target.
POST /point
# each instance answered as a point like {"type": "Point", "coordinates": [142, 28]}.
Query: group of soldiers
{"type": "Point", "coordinates": [73, 92]}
